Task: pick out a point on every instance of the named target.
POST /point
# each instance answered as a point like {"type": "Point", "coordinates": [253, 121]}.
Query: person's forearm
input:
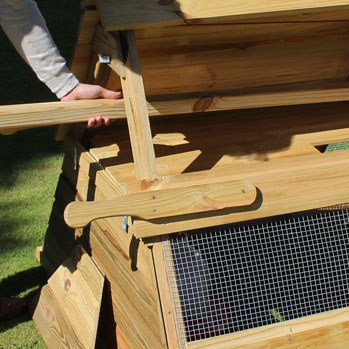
{"type": "Point", "coordinates": [26, 28]}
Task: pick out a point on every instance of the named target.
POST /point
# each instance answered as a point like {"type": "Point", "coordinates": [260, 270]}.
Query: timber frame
{"type": "Point", "coordinates": [225, 111]}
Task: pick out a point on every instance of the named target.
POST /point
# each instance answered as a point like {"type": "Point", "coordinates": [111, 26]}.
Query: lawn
{"type": "Point", "coordinates": [30, 163]}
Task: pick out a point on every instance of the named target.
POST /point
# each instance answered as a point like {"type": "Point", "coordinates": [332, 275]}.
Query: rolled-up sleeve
{"type": "Point", "coordinates": [25, 27]}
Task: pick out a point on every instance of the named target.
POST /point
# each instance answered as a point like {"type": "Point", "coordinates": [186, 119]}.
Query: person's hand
{"type": "Point", "coordinates": [86, 91]}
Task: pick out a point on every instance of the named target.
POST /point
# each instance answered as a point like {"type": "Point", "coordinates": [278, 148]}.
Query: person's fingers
{"type": "Point", "coordinates": [110, 94]}
{"type": "Point", "coordinates": [107, 121]}
{"type": "Point", "coordinates": [91, 122]}
{"type": "Point", "coordinates": [99, 121]}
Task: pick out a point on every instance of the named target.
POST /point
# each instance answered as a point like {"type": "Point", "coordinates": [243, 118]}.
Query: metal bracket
{"type": "Point", "coordinates": [124, 223]}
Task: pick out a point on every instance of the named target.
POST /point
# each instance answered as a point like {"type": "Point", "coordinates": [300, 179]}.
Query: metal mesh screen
{"type": "Point", "coordinates": [237, 277]}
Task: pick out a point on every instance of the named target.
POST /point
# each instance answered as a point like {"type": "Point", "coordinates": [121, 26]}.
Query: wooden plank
{"type": "Point", "coordinates": [165, 297]}
{"type": "Point", "coordinates": [285, 186]}
{"type": "Point", "coordinates": [16, 117]}
{"type": "Point", "coordinates": [133, 289]}
{"type": "Point", "coordinates": [137, 112]}
{"type": "Point", "coordinates": [255, 63]}
{"type": "Point", "coordinates": [325, 330]}
{"type": "Point", "coordinates": [68, 308]}
{"type": "Point", "coordinates": [123, 14]}
{"type": "Point", "coordinates": [166, 203]}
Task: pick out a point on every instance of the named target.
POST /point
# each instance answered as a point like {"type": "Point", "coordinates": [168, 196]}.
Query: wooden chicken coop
{"type": "Point", "coordinates": [215, 207]}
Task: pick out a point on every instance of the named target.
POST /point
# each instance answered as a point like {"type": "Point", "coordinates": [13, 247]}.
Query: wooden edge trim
{"type": "Point", "coordinates": [168, 310]}
{"type": "Point", "coordinates": [265, 333]}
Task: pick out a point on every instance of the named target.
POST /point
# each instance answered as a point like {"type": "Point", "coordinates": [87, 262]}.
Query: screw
{"type": "Point", "coordinates": [124, 223]}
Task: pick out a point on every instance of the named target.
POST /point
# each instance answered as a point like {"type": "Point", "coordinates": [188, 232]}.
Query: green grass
{"type": "Point", "coordinates": [30, 163]}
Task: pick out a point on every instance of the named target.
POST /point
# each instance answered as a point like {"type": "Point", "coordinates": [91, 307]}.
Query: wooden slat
{"type": "Point", "coordinates": [137, 112]}
{"type": "Point", "coordinates": [325, 330]}
{"type": "Point", "coordinates": [285, 186]}
{"type": "Point", "coordinates": [16, 117]}
{"type": "Point", "coordinates": [124, 14]}
{"type": "Point", "coordinates": [166, 203]}
{"type": "Point", "coordinates": [133, 288]}
{"type": "Point", "coordinates": [165, 297]}
{"type": "Point", "coordinates": [68, 309]}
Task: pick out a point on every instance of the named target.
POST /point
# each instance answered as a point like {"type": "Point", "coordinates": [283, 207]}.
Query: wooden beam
{"type": "Point", "coordinates": [164, 203]}
{"type": "Point", "coordinates": [136, 110]}
{"type": "Point", "coordinates": [125, 14]}
{"type": "Point", "coordinates": [285, 186]}
{"type": "Point", "coordinates": [22, 116]}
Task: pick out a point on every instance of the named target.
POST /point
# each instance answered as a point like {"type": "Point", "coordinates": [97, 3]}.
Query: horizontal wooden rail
{"type": "Point", "coordinates": [22, 116]}
{"type": "Point", "coordinates": [164, 203]}
{"type": "Point", "coordinates": [284, 186]}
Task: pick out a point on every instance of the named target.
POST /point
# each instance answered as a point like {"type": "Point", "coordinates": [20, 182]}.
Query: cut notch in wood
{"type": "Point", "coordinates": [164, 203]}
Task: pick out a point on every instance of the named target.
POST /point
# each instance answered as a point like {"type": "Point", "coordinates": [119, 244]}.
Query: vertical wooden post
{"type": "Point", "coordinates": [136, 109]}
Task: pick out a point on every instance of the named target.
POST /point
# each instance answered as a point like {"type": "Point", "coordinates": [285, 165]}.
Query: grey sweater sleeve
{"type": "Point", "coordinates": [27, 30]}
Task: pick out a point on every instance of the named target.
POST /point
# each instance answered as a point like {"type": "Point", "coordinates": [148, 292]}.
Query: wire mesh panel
{"type": "Point", "coordinates": [238, 277]}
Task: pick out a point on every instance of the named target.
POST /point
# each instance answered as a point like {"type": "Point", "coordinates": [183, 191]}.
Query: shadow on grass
{"type": "Point", "coordinates": [23, 147]}
{"type": "Point", "coordinates": [28, 281]}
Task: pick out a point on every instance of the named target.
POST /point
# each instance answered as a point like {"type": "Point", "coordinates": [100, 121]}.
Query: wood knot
{"type": "Point", "coordinates": [203, 104]}
{"type": "Point", "coordinates": [67, 285]}
{"type": "Point", "coordinates": [165, 2]}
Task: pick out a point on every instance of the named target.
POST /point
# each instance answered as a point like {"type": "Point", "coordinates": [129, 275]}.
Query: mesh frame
{"type": "Point", "coordinates": [242, 276]}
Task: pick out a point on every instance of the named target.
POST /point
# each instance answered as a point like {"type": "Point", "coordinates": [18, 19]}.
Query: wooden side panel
{"type": "Point", "coordinates": [133, 287]}
{"type": "Point", "coordinates": [326, 330]}
{"type": "Point", "coordinates": [308, 53]}
{"type": "Point", "coordinates": [68, 308]}
{"type": "Point", "coordinates": [126, 261]}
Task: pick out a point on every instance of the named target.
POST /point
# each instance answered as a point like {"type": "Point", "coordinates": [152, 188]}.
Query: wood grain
{"type": "Point", "coordinates": [165, 203]}
{"type": "Point", "coordinates": [68, 309]}
{"type": "Point", "coordinates": [123, 14]}
{"type": "Point", "coordinates": [293, 185]}
{"type": "Point", "coordinates": [16, 117]}
{"type": "Point", "coordinates": [137, 112]}
{"type": "Point", "coordinates": [325, 330]}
